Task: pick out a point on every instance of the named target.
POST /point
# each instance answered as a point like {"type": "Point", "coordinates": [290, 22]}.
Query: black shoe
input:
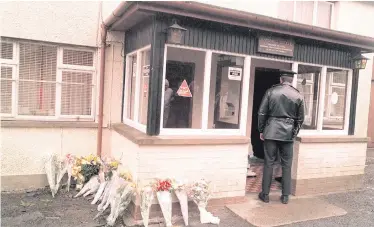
{"type": "Point", "coordinates": [284, 199]}
{"type": "Point", "coordinates": [264, 198]}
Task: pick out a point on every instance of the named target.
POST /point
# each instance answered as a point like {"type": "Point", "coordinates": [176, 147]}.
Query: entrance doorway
{"type": "Point", "coordinates": [264, 79]}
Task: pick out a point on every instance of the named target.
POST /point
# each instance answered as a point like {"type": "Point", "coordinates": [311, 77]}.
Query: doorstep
{"type": "Point", "coordinates": [300, 208]}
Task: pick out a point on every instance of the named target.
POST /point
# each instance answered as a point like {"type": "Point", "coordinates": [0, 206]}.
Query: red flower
{"type": "Point", "coordinates": [163, 185]}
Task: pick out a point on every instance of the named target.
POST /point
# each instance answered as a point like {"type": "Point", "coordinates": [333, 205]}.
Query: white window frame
{"type": "Point", "coordinates": [331, 86]}
{"type": "Point", "coordinates": [315, 13]}
{"type": "Point", "coordinates": [133, 123]}
{"type": "Point", "coordinates": [245, 96]}
{"type": "Point", "coordinates": [205, 108]}
{"type": "Point", "coordinates": [59, 68]}
{"type": "Point", "coordinates": [321, 101]}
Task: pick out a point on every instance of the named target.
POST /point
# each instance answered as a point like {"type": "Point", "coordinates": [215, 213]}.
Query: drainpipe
{"type": "Point", "coordinates": [101, 90]}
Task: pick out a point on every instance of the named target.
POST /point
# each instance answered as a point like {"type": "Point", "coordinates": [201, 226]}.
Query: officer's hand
{"type": "Point", "coordinates": [262, 136]}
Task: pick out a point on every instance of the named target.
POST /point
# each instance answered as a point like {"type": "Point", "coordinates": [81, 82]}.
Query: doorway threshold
{"type": "Point", "coordinates": [253, 184]}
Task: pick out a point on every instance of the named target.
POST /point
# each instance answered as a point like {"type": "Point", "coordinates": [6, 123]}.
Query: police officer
{"type": "Point", "coordinates": [280, 117]}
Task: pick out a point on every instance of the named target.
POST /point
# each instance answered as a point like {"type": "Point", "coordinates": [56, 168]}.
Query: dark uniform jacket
{"type": "Point", "coordinates": [281, 113]}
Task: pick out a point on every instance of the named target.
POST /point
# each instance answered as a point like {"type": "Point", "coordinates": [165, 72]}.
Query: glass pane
{"type": "Point", "coordinates": [36, 98]}
{"type": "Point", "coordinates": [184, 94]}
{"type": "Point", "coordinates": [76, 93]}
{"type": "Point", "coordinates": [77, 57]}
{"type": "Point", "coordinates": [308, 81]}
{"type": "Point", "coordinates": [335, 99]}
{"type": "Point", "coordinates": [37, 75]}
{"type": "Point", "coordinates": [6, 89]}
{"type": "Point", "coordinates": [131, 87]}
{"type": "Point", "coordinates": [6, 50]}
{"type": "Point", "coordinates": [144, 82]}
{"type": "Point", "coordinates": [324, 14]}
{"type": "Point", "coordinates": [225, 91]}
{"type": "Point", "coordinates": [304, 12]}
{"type": "Point", "coordinates": [285, 10]}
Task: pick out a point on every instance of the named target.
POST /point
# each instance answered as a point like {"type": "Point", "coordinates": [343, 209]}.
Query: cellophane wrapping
{"type": "Point", "coordinates": [50, 170]}
{"type": "Point", "coordinates": [146, 198]}
{"type": "Point", "coordinates": [200, 193]}
{"type": "Point", "coordinates": [120, 202]}
{"type": "Point", "coordinates": [164, 199]}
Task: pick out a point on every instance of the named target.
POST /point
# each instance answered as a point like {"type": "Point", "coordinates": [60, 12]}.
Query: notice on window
{"type": "Point", "coordinates": [184, 90]}
{"type": "Point", "coordinates": [146, 70]}
{"type": "Point", "coordinates": [235, 73]}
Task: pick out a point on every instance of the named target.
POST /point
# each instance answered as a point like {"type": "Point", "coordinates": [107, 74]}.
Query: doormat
{"type": "Point", "coordinates": [276, 214]}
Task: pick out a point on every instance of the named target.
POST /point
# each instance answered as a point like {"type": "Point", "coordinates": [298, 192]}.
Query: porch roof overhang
{"type": "Point", "coordinates": [128, 14]}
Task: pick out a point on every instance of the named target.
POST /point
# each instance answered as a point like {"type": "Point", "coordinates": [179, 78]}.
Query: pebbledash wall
{"type": "Point", "coordinates": [25, 143]}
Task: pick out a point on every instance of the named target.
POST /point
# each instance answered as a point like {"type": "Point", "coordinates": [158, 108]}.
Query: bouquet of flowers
{"type": "Point", "coordinates": [146, 198]}
{"type": "Point", "coordinates": [65, 166]}
{"type": "Point", "coordinates": [180, 191]}
{"type": "Point", "coordinates": [107, 169]}
{"type": "Point", "coordinates": [200, 193]}
{"type": "Point", "coordinates": [120, 202]}
{"type": "Point", "coordinates": [163, 188]}
{"type": "Point", "coordinates": [50, 169]}
{"type": "Point", "coordinates": [84, 168]}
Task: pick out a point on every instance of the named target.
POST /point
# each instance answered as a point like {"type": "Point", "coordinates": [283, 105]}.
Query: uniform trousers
{"type": "Point", "coordinates": [271, 148]}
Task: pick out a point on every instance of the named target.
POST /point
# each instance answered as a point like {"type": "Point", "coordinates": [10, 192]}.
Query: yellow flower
{"type": "Point", "coordinates": [114, 164]}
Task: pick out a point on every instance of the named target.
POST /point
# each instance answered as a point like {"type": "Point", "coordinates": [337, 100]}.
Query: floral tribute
{"type": "Point", "coordinates": [116, 188]}
{"type": "Point", "coordinates": [84, 168]}
{"type": "Point", "coordinates": [200, 194]}
{"type": "Point", "coordinates": [163, 192]}
{"type": "Point", "coordinates": [146, 198]}
{"type": "Point", "coordinates": [179, 188]}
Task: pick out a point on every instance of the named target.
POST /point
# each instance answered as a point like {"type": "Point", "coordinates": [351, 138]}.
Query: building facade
{"type": "Point", "coordinates": [219, 69]}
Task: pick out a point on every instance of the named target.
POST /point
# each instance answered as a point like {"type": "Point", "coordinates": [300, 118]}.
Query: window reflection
{"type": "Point", "coordinates": [225, 91]}
{"type": "Point", "coordinates": [335, 99]}
{"type": "Point", "coordinates": [183, 94]}
{"type": "Point", "coordinates": [308, 80]}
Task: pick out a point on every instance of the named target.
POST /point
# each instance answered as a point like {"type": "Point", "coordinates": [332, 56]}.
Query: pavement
{"type": "Point", "coordinates": [38, 208]}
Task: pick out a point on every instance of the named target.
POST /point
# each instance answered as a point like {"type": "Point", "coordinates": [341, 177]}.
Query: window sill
{"type": "Point", "coordinates": [141, 138]}
{"type": "Point", "coordinates": [47, 124]}
{"type": "Point", "coordinates": [331, 139]}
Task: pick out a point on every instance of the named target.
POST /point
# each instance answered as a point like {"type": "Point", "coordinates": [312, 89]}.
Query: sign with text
{"type": "Point", "coordinates": [184, 90]}
{"type": "Point", "coordinates": [276, 46]}
{"type": "Point", "coordinates": [235, 73]}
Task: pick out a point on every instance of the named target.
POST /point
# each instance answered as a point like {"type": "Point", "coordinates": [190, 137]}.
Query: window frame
{"type": "Point", "coordinates": [321, 101]}
{"type": "Point", "coordinates": [133, 123]}
{"type": "Point", "coordinates": [204, 130]}
{"type": "Point", "coordinates": [60, 67]}
{"type": "Point", "coordinates": [315, 14]}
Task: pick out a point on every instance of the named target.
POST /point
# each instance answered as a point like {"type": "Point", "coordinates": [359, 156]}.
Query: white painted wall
{"type": "Point", "coordinates": [68, 22]}
{"type": "Point", "coordinates": [355, 17]}
{"type": "Point", "coordinates": [264, 7]}
{"type": "Point", "coordinates": [189, 163]}
{"type": "Point", "coordinates": [23, 149]}
{"type": "Point", "coordinates": [313, 160]}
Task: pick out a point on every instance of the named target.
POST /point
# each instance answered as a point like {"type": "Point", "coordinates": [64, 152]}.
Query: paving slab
{"type": "Point", "coordinates": [275, 213]}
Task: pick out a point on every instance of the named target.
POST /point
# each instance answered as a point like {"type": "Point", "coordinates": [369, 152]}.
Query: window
{"type": "Point", "coordinates": [325, 92]}
{"type": "Point", "coordinates": [225, 91]}
{"type": "Point", "coordinates": [46, 81]}
{"type": "Point", "coordinates": [204, 92]}
{"type": "Point", "coordinates": [308, 78]}
{"type": "Point", "coordinates": [183, 99]}
{"type": "Point", "coordinates": [138, 68]}
{"type": "Point", "coordinates": [335, 99]}
{"type": "Point", "coordinates": [317, 13]}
